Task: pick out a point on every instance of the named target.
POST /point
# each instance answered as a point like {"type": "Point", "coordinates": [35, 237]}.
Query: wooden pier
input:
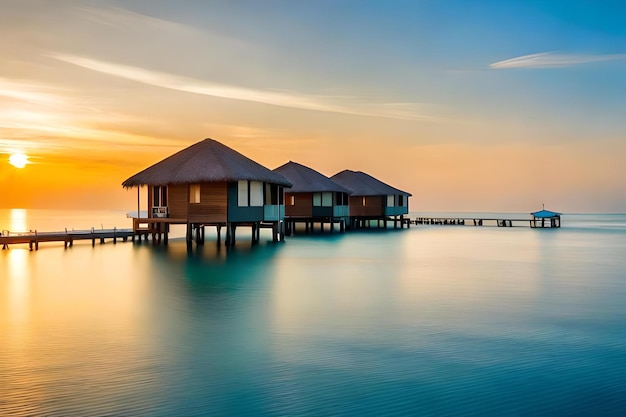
{"type": "Point", "coordinates": [34, 238]}
{"type": "Point", "coordinates": [487, 221]}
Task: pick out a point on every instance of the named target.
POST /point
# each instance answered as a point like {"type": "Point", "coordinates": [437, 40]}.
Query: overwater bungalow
{"type": "Point", "coordinates": [373, 200]}
{"type": "Point", "coordinates": [210, 184]}
{"type": "Point", "coordinates": [313, 198]}
{"type": "Point", "coordinates": [545, 218]}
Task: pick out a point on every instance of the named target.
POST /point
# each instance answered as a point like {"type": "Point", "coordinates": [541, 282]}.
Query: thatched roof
{"type": "Point", "coordinates": [362, 184]}
{"type": "Point", "coordinates": [307, 180]}
{"type": "Point", "coordinates": [205, 161]}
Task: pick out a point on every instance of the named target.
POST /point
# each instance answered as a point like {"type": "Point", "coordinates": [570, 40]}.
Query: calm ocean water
{"type": "Point", "coordinates": [430, 321]}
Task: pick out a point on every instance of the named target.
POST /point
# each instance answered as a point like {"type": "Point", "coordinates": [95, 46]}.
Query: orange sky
{"type": "Point", "coordinates": [94, 94]}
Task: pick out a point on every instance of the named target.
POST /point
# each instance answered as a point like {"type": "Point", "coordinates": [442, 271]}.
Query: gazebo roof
{"type": "Point", "coordinates": [205, 161]}
{"type": "Point", "coordinates": [362, 184]}
{"type": "Point", "coordinates": [545, 214]}
{"type": "Point", "coordinates": [308, 180]}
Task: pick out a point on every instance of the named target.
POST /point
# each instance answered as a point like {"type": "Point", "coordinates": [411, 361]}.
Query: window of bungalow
{"type": "Point", "coordinates": [194, 193]}
{"type": "Point", "coordinates": [324, 199]}
{"type": "Point", "coordinates": [364, 202]}
{"type": "Point", "coordinates": [250, 193]}
{"type": "Point", "coordinates": [159, 196]}
{"type": "Point", "coordinates": [271, 194]}
{"type": "Point", "coordinates": [401, 200]}
{"type": "Point", "coordinates": [391, 200]}
{"type": "Point", "coordinates": [327, 199]}
{"type": "Point", "coordinates": [242, 193]}
{"type": "Point", "coordinates": [317, 199]}
{"type": "Point", "coordinates": [256, 193]}
{"type": "Point", "coordinates": [342, 199]}
{"type": "Point", "coordinates": [274, 195]}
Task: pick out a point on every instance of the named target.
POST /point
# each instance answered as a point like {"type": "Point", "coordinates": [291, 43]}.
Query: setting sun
{"type": "Point", "coordinates": [18, 160]}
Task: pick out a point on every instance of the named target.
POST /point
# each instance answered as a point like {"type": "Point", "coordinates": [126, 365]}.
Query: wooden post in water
{"type": "Point", "coordinates": [228, 235]}
{"type": "Point", "coordinates": [188, 236]}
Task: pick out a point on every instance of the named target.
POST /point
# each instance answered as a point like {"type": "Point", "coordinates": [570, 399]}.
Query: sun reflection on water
{"type": "Point", "coordinates": [18, 219]}
{"type": "Point", "coordinates": [18, 285]}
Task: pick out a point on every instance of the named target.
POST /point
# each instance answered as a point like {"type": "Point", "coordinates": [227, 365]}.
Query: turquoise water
{"type": "Point", "coordinates": [434, 320]}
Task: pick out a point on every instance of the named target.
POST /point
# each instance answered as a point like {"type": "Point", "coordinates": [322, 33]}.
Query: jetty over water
{"type": "Point", "coordinates": [475, 221]}
{"type": "Point", "coordinates": [34, 238]}
{"type": "Point", "coordinates": [539, 219]}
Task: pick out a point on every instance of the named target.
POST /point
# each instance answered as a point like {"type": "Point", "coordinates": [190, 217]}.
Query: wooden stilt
{"type": "Point", "coordinates": [188, 236]}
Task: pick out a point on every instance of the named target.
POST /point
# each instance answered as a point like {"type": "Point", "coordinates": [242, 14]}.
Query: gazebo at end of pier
{"type": "Point", "coordinates": [545, 218]}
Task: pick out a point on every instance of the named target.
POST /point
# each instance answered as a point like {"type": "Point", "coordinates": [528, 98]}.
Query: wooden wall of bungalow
{"type": "Point", "coordinates": [316, 204]}
{"type": "Point", "coordinates": [379, 205]}
{"type": "Point", "coordinates": [217, 202]}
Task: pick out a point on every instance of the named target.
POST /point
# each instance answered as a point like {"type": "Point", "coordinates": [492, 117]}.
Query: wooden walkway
{"type": "Point", "coordinates": [480, 221]}
{"type": "Point", "coordinates": [33, 239]}
{"type": "Point", "coordinates": [485, 221]}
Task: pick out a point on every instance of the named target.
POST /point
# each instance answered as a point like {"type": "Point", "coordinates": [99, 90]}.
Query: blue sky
{"type": "Point", "coordinates": [435, 97]}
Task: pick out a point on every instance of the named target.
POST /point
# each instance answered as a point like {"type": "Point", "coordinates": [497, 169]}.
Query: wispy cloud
{"type": "Point", "coordinates": [32, 93]}
{"type": "Point", "coordinates": [552, 60]}
{"type": "Point", "coordinates": [334, 104]}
